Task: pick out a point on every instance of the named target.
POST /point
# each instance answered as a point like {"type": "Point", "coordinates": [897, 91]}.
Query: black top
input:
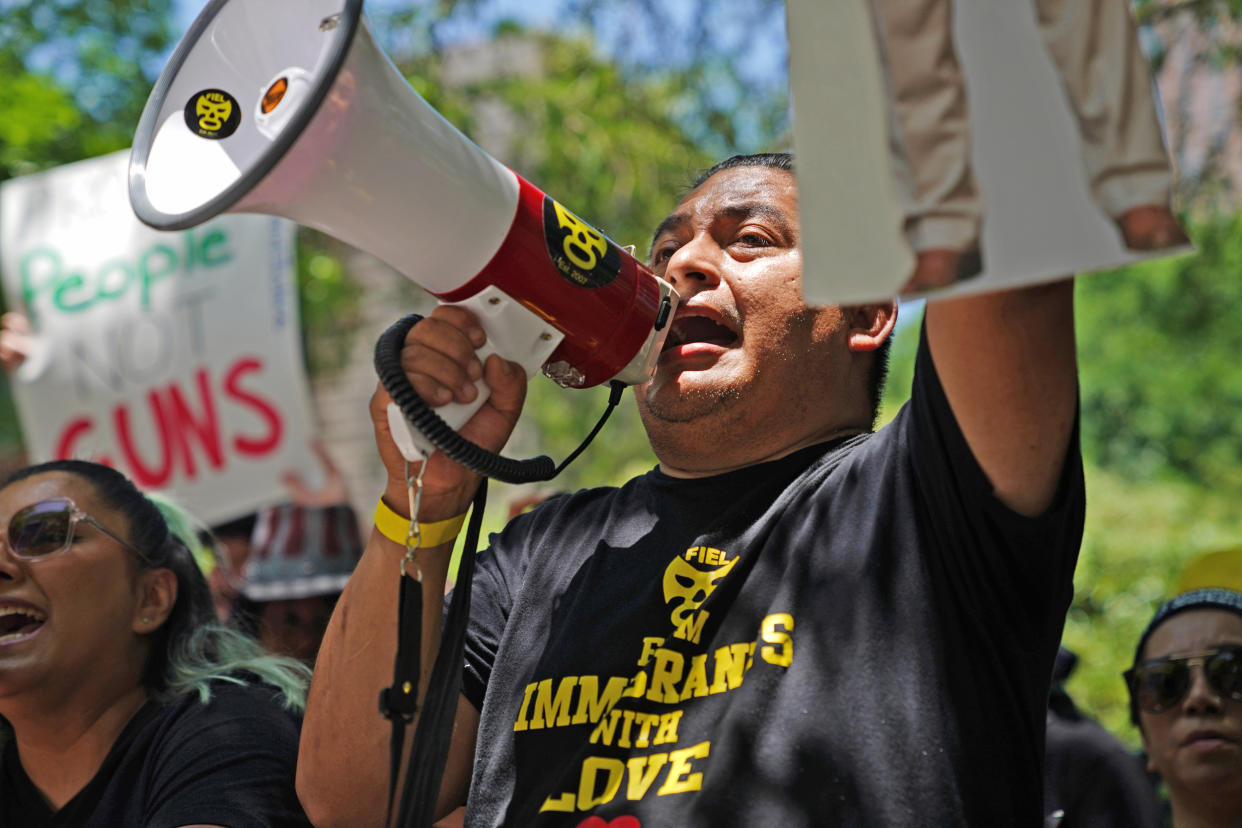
{"type": "Point", "coordinates": [857, 634]}
{"type": "Point", "coordinates": [228, 762]}
{"type": "Point", "coordinates": [1092, 778]}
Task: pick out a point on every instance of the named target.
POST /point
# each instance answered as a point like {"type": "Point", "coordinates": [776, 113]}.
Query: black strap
{"type": "Point", "coordinates": [399, 702]}
{"type": "Point", "coordinates": [433, 734]}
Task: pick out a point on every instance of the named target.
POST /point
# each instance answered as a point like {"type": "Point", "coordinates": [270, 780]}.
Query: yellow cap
{"type": "Point", "coordinates": [1222, 568]}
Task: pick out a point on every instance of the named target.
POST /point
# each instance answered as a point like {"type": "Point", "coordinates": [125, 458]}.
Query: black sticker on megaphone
{"type": "Point", "coordinates": [580, 252]}
{"type": "Point", "coordinates": [213, 114]}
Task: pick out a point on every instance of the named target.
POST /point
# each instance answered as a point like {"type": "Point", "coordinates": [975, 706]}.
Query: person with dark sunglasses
{"type": "Point", "coordinates": [122, 701]}
{"type": "Point", "coordinates": [1186, 700]}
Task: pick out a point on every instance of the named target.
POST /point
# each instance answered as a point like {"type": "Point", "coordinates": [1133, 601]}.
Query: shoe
{"type": "Point", "coordinates": [941, 267]}
{"type": "Point", "coordinates": [1151, 227]}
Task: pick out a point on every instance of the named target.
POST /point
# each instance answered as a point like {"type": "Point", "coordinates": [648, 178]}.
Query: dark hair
{"type": "Point", "coordinates": [772, 160]}
{"type": "Point", "coordinates": [190, 649]}
{"type": "Point", "coordinates": [240, 527]}
{"type": "Point", "coordinates": [878, 372]}
{"type": "Point", "coordinates": [245, 615]}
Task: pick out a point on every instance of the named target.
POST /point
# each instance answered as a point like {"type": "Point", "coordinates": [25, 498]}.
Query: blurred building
{"type": "Point", "coordinates": [1197, 72]}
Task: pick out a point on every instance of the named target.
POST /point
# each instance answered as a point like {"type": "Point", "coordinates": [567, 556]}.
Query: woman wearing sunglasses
{"type": "Point", "coordinates": [124, 703]}
{"type": "Point", "coordinates": [1186, 699]}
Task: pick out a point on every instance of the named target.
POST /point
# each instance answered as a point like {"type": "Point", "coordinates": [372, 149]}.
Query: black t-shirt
{"type": "Point", "coordinates": [228, 762]}
{"type": "Point", "coordinates": [857, 634]}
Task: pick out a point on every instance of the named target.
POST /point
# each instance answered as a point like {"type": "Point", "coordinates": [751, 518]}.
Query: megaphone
{"type": "Point", "coordinates": [289, 108]}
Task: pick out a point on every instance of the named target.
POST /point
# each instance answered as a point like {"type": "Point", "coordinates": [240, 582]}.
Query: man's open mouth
{"type": "Point", "coordinates": [19, 622]}
{"type": "Point", "coordinates": [690, 329]}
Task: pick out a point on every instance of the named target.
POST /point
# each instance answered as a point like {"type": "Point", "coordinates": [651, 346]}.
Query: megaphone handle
{"type": "Point", "coordinates": [514, 332]}
{"type": "Point", "coordinates": [414, 446]}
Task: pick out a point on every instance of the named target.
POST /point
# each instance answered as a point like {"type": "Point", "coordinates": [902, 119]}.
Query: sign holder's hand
{"type": "Point", "coordinates": [16, 338]}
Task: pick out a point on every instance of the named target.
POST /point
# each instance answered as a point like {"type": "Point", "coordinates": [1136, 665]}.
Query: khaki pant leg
{"type": "Point", "coordinates": [929, 122]}
{"type": "Point", "coordinates": [1107, 81]}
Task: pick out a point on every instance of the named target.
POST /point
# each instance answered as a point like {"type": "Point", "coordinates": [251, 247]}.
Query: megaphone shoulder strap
{"type": "Point", "coordinates": [429, 751]}
{"type": "Point", "coordinates": [399, 702]}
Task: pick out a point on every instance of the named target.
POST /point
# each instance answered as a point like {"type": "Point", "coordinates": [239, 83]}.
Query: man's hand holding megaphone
{"type": "Point", "coordinates": [440, 360]}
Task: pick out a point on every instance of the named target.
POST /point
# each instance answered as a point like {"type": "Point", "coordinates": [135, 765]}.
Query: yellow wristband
{"type": "Point", "coordinates": [396, 528]}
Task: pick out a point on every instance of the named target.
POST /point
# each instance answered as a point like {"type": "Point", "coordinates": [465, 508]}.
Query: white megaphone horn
{"type": "Point", "coordinates": [289, 108]}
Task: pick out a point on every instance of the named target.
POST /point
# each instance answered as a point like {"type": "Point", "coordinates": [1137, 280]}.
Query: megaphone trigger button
{"type": "Point", "coordinates": [662, 315]}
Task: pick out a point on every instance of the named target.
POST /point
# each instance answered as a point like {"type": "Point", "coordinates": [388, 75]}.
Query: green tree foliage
{"type": "Point", "coordinates": [76, 75]}
{"type": "Point", "coordinates": [901, 360]}
{"type": "Point", "coordinates": [328, 303]}
{"type": "Point", "coordinates": [728, 59]}
{"type": "Point", "coordinates": [1209, 13]}
{"type": "Point", "coordinates": [1159, 345]}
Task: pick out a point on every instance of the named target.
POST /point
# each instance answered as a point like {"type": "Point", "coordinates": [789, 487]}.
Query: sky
{"type": "Point", "coordinates": [532, 12]}
{"type": "Point", "coordinates": [758, 47]}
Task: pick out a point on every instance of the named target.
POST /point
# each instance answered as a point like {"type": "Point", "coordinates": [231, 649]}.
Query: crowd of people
{"type": "Point", "coordinates": [795, 618]}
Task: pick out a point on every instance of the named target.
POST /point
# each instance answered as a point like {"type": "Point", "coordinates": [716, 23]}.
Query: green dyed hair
{"type": "Point", "coordinates": [191, 649]}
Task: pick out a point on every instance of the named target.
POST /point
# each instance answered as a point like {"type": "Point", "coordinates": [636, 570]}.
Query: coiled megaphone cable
{"type": "Point", "coordinates": [438, 433]}
{"type": "Point", "coordinates": [474, 457]}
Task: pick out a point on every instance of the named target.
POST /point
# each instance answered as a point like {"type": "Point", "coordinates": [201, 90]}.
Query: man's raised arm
{"type": "Point", "coordinates": [1008, 366]}
{"type": "Point", "coordinates": [343, 761]}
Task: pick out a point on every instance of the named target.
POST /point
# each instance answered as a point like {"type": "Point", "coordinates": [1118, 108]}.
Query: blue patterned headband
{"type": "Point", "coordinates": [1211, 598]}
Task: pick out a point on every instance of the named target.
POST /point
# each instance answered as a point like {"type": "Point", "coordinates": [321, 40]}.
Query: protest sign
{"type": "Point", "coordinates": [984, 144]}
{"type": "Point", "coordinates": [173, 356]}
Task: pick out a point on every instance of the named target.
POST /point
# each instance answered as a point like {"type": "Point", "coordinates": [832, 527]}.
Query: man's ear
{"type": "Point", "coordinates": [870, 325]}
{"type": "Point", "coordinates": [157, 593]}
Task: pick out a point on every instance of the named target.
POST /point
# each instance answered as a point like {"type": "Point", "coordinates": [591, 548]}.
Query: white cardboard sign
{"type": "Point", "coordinates": [173, 356]}
{"type": "Point", "coordinates": [1035, 119]}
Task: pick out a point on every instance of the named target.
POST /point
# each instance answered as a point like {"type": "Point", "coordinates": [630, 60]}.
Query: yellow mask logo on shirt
{"type": "Point", "coordinates": [688, 580]}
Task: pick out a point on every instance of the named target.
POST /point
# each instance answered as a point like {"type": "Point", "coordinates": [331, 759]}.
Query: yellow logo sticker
{"type": "Point", "coordinates": [582, 254]}
{"type": "Point", "coordinates": [213, 114]}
